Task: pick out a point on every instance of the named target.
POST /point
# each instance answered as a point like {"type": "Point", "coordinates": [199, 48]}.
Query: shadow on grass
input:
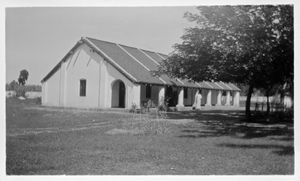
{"type": "Point", "coordinates": [217, 123]}
{"type": "Point", "coordinates": [279, 149]}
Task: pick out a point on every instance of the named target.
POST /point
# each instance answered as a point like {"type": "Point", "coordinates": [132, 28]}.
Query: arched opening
{"type": "Point", "coordinates": [171, 96]}
{"type": "Point", "coordinates": [118, 94]}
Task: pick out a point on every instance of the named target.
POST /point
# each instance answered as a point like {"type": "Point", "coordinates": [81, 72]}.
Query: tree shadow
{"type": "Point", "coordinates": [218, 123]}
{"type": "Point", "coordinates": [279, 149]}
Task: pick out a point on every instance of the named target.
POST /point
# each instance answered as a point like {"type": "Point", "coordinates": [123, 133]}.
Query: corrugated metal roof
{"type": "Point", "coordinates": [138, 65]}
{"type": "Point", "coordinates": [125, 61]}
{"type": "Point", "coordinates": [140, 56]}
{"type": "Point", "coordinates": [163, 55]}
{"type": "Point", "coordinates": [215, 86]}
{"type": "Point", "coordinates": [218, 85]}
{"type": "Point", "coordinates": [225, 86]}
{"type": "Point", "coordinates": [154, 56]}
{"type": "Point", "coordinates": [204, 85]}
{"type": "Point", "coordinates": [234, 87]}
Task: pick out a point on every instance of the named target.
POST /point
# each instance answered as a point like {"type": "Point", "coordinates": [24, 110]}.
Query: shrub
{"type": "Point", "coordinates": [33, 88]}
{"type": "Point", "coordinates": [133, 108]}
{"type": "Point", "coordinates": [39, 100]}
{"type": "Point", "coordinates": [13, 86]}
{"type": "Point", "coordinates": [163, 106]}
{"type": "Point", "coordinates": [20, 91]}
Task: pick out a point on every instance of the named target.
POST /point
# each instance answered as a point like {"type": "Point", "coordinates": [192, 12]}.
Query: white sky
{"type": "Point", "coordinates": [37, 38]}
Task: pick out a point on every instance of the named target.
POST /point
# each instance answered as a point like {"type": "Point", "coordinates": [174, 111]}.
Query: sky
{"type": "Point", "coordinates": [38, 38]}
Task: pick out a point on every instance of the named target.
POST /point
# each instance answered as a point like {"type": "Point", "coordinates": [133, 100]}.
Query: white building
{"type": "Point", "coordinates": [100, 74]}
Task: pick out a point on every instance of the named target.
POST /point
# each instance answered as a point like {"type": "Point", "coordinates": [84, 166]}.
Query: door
{"type": "Point", "coordinates": [122, 95]}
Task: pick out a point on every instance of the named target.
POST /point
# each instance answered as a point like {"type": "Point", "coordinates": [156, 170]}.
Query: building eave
{"type": "Point", "coordinates": [57, 66]}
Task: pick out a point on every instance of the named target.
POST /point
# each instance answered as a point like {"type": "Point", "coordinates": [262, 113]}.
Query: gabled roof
{"type": "Point", "coordinates": [138, 65]}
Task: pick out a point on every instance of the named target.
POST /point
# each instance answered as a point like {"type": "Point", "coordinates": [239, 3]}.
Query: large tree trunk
{"type": "Point", "coordinates": [268, 103]}
{"type": "Point", "coordinates": [248, 101]}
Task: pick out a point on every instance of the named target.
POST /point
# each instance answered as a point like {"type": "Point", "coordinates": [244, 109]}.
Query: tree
{"type": "Point", "coordinates": [23, 77]}
{"type": "Point", "coordinates": [12, 85]}
{"type": "Point", "coordinates": [250, 45]}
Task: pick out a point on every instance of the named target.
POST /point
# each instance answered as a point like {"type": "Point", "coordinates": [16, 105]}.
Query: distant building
{"type": "Point", "coordinates": [100, 74]}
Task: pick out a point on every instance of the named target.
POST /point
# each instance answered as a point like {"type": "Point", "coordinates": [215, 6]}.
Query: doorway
{"type": "Point", "coordinates": [118, 94]}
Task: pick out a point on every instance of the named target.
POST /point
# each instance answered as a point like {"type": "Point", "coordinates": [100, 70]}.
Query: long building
{"type": "Point", "coordinates": [101, 74]}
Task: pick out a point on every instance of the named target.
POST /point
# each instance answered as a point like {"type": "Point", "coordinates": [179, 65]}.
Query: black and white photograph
{"type": "Point", "coordinates": [147, 90]}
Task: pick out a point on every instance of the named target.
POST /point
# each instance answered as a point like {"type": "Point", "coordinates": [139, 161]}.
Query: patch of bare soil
{"type": "Point", "coordinates": [179, 121]}
{"type": "Point", "coordinates": [124, 131]}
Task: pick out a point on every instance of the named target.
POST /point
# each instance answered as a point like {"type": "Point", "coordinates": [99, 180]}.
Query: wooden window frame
{"type": "Point", "coordinates": [82, 87]}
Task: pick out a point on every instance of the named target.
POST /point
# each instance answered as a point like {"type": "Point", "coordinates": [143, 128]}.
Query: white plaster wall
{"type": "Point", "coordinates": [44, 93]}
{"type": "Point", "coordinates": [106, 91]}
{"type": "Point", "coordinates": [135, 95]}
{"type": "Point", "coordinates": [62, 88]}
{"type": "Point", "coordinates": [82, 65]}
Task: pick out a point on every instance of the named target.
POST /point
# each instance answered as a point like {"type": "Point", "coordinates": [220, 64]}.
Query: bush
{"type": "Point", "coordinates": [13, 86]}
{"type": "Point", "coordinates": [33, 88]}
{"type": "Point", "coordinates": [20, 91]}
{"type": "Point", "coordinates": [133, 108]}
{"type": "Point", "coordinates": [162, 107]}
{"type": "Point", "coordinates": [39, 100]}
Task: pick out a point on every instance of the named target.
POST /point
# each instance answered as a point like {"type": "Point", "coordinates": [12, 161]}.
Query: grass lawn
{"type": "Point", "coordinates": [43, 141]}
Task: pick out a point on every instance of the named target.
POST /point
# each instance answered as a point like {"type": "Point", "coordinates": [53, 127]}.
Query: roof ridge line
{"type": "Point", "coordinates": [133, 57]}
{"type": "Point", "coordinates": [179, 81]}
{"type": "Point", "coordinates": [152, 51]}
{"type": "Point", "coordinates": [116, 64]}
{"type": "Point", "coordinates": [122, 44]}
{"type": "Point", "coordinates": [226, 85]}
{"type": "Point", "coordinates": [141, 50]}
{"type": "Point", "coordinates": [209, 85]}
{"type": "Point", "coordinates": [218, 85]}
{"type": "Point", "coordinates": [162, 54]}
{"type": "Point", "coordinates": [234, 86]}
{"type": "Point", "coordinates": [198, 84]}
{"type": "Point", "coordinates": [159, 55]}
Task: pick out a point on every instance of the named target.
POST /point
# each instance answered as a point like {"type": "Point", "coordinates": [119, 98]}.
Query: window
{"type": "Point", "coordinates": [82, 91]}
{"type": "Point", "coordinates": [148, 91]}
{"type": "Point", "coordinates": [185, 92]}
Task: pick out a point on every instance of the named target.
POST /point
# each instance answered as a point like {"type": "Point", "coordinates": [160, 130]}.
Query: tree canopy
{"type": "Point", "coordinates": [23, 77]}
{"type": "Point", "coordinates": [241, 44]}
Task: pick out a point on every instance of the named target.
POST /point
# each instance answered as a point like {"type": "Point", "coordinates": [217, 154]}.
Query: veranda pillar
{"type": "Point", "coordinates": [227, 103]}
{"type": "Point", "coordinates": [236, 99]}
{"type": "Point", "coordinates": [208, 98]}
{"type": "Point", "coordinates": [161, 96]}
{"type": "Point", "coordinates": [180, 98]}
{"type": "Point", "coordinates": [136, 93]}
{"type": "Point", "coordinates": [219, 98]}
